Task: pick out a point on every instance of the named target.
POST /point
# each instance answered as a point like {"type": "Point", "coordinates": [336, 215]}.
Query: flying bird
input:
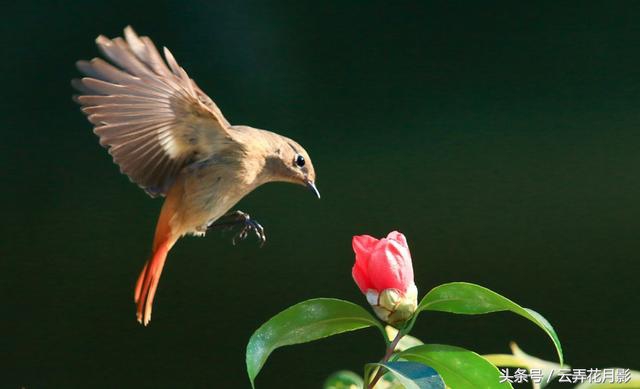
{"type": "Point", "coordinates": [172, 140]}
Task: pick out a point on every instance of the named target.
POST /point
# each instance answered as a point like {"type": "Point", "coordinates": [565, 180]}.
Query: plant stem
{"type": "Point", "coordinates": [386, 357]}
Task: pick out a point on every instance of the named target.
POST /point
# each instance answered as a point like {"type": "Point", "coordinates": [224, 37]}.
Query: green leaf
{"type": "Point", "coordinates": [304, 322]}
{"type": "Point", "coordinates": [411, 375]}
{"type": "Point", "coordinates": [343, 379]}
{"type": "Point", "coordinates": [471, 299]}
{"type": "Point", "coordinates": [459, 368]}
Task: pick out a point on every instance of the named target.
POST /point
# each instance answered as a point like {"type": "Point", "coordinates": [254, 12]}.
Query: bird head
{"type": "Point", "coordinates": [290, 162]}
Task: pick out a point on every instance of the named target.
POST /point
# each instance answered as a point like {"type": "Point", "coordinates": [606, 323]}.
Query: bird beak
{"type": "Point", "coordinates": [313, 188]}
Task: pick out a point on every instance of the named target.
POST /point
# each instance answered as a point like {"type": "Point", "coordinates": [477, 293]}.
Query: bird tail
{"type": "Point", "coordinates": [148, 279]}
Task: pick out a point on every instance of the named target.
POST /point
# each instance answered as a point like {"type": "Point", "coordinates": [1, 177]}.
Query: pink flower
{"type": "Point", "coordinates": [384, 273]}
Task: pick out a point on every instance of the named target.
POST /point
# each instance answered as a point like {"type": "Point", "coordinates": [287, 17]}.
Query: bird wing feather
{"type": "Point", "coordinates": [153, 118]}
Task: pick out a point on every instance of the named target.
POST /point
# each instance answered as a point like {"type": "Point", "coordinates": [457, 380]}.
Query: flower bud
{"type": "Point", "coordinates": [384, 273]}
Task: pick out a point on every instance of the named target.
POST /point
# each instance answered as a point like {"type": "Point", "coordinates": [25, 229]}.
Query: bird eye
{"type": "Point", "coordinates": [299, 160]}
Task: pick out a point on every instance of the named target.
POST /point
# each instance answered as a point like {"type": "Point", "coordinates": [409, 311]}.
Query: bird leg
{"type": "Point", "coordinates": [246, 223]}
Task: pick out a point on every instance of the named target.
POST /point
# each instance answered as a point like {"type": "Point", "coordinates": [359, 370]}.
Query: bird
{"type": "Point", "coordinates": [173, 141]}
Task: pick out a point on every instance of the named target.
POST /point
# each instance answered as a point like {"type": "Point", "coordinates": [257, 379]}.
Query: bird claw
{"type": "Point", "coordinates": [247, 226]}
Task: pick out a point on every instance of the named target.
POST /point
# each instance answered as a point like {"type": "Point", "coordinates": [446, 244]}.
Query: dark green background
{"type": "Point", "coordinates": [501, 138]}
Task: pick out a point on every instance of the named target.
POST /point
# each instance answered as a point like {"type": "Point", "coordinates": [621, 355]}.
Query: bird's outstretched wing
{"type": "Point", "coordinates": [153, 119]}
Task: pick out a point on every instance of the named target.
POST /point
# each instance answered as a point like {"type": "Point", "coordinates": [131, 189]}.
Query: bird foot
{"type": "Point", "coordinates": [246, 223]}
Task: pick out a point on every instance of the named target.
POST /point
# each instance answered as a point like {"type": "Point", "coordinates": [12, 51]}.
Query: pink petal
{"type": "Point", "coordinates": [363, 245]}
{"type": "Point", "coordinates": [398, 237]}
{"type": "Point", "coordinates": [403, 256]}
{"type": "Point", "coordinates": [390, 266]}
{"type": "Point", "coordinates": [361, 279]}
{"type": "Point", "coordinates": [384, 270]}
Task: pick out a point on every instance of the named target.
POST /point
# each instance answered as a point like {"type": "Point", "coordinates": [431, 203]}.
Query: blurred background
{"type": "Point", "coordinates": [502, 138]}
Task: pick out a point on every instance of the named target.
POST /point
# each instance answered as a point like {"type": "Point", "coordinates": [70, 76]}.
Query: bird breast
{"type": "Point", "coordinates": [207, 190]}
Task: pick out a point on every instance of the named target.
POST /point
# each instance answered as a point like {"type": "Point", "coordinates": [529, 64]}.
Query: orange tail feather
{"type": "Point", "coordinates": [147, 282]}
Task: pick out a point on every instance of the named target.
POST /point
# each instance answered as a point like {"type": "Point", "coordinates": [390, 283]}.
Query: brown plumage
{"type": "Point", "coordinates": [172, 140]}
